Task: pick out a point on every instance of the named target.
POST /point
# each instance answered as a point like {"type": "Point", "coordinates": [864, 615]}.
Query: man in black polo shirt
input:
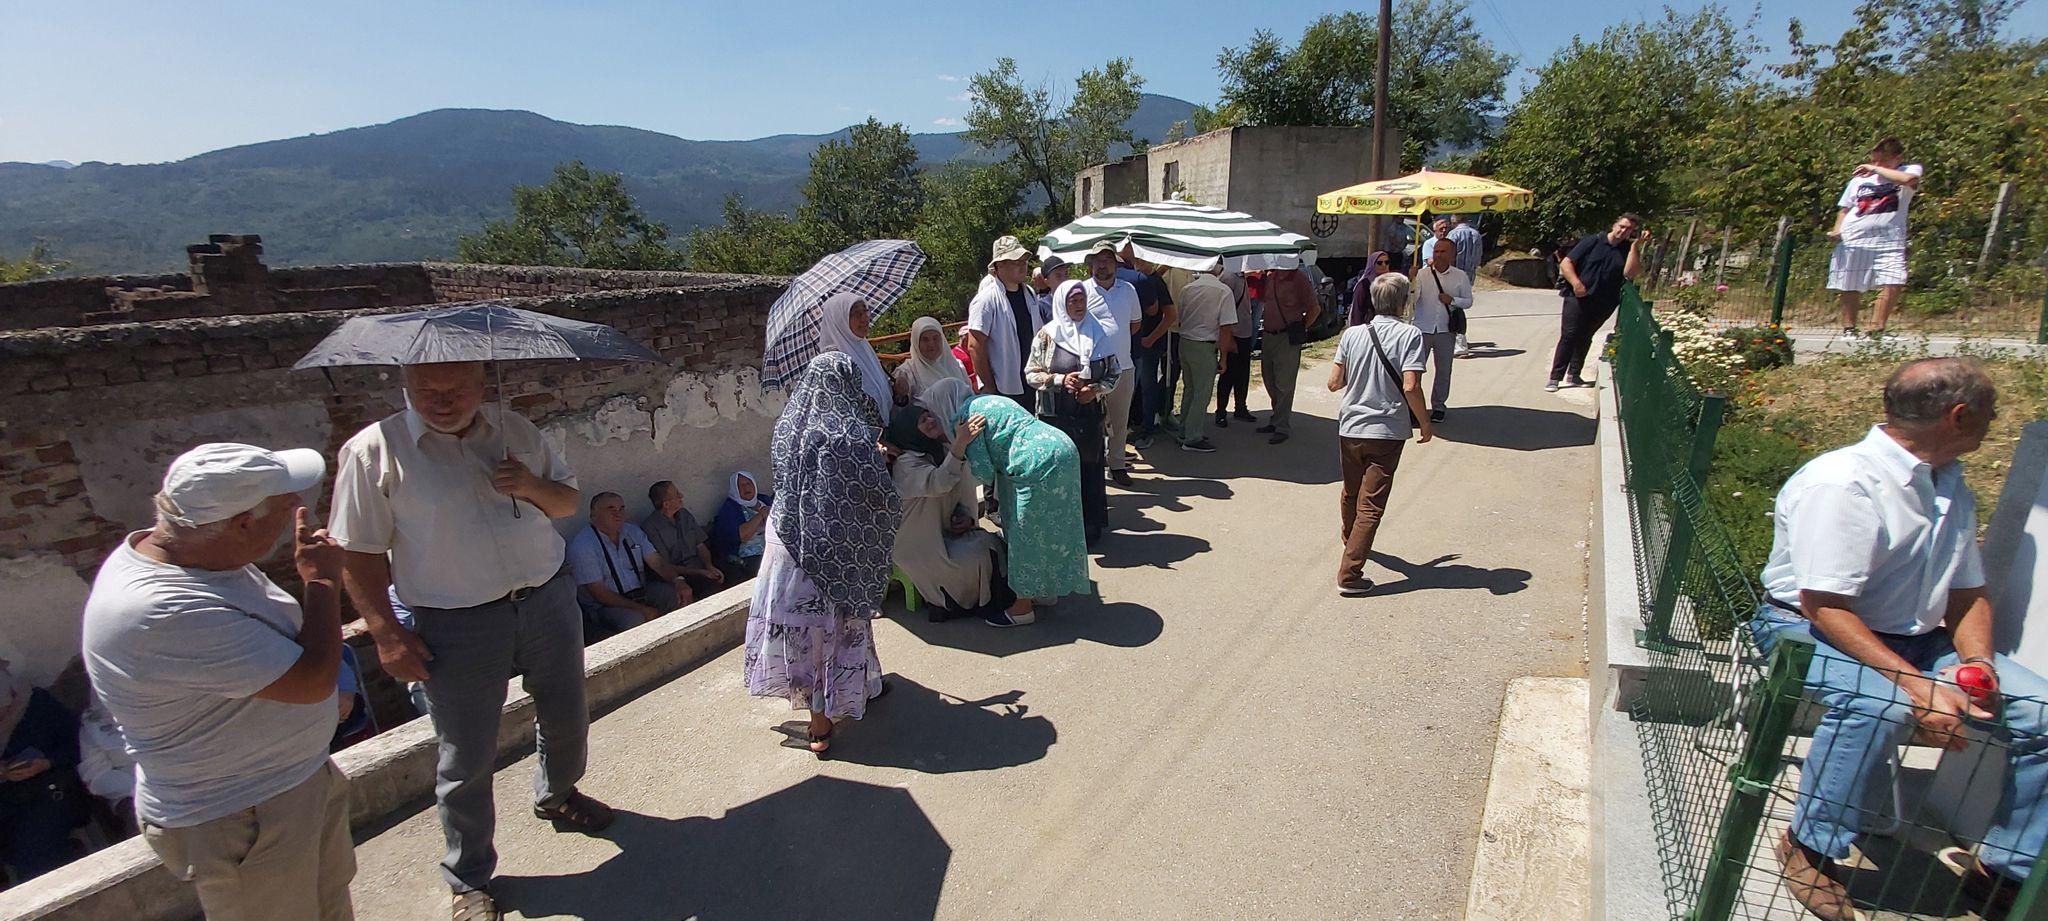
{"type": "Point", "coordinates": [1590, 279]}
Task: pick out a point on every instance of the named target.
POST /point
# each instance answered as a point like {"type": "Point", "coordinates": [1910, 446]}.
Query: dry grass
{"type": "Point", "coordinates": [1833, 401]}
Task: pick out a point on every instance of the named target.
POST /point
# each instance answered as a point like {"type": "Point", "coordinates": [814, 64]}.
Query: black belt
{"type": "Point", "coordinates": [1773, 601]}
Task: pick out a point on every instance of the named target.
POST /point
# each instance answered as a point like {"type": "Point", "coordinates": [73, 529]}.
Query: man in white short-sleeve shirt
{"type": "Point", "coordinates": [1870, 233]}
{"type": "Point", "coordinates": [1115, 303]}
{"type": "Point", "coordinates": [1875, 559]}
{"type": "Point", "coordinates": [1378, 368]}
{"type": "Point", "coordinates": [459, 497]}
{"type": "Point", "coordinates": [223, 685]}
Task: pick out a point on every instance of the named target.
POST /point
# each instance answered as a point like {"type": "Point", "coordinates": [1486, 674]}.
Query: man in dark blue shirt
{"type": "Point", "coordinates": [1592, 276]}
{"type": "Point", "coordinates": [1148, 348]}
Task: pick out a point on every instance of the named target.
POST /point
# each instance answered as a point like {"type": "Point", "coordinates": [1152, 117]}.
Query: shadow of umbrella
{"type": "Point", "coordinates": [824, 848]}
{"type": "Point", "coordinates": [1516, 428]}
{"type": "Point", "coordinates": [920, 729]}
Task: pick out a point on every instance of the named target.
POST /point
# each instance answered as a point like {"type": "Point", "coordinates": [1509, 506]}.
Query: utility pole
{"type": "Point", "coordinates": [1379, 116]}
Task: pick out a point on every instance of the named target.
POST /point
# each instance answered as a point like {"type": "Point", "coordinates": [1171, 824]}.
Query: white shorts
{"type": "Point", "coordinates": [1858, 269]}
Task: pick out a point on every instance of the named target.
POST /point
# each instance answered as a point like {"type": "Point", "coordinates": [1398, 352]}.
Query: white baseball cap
{"type": "Point", "coordinates": [215, 482]}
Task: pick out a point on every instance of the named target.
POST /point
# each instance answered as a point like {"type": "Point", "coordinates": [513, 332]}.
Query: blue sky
{"type": "Point", "coordinates": [150, 81]}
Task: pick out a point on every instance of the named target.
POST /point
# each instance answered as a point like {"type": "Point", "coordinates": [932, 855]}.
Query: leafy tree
{"type": "Point", "coordinates": [966, 208]}
{"type": "Point", "coordinates": [750, 242]}
{"type": "Point", "coordinates": [580, 218]}
{"type": "Point", "coordinates": [1047, 143]}
{"type": "Point", "coordinates": [36, 264]}
{"type": "Point", "coordinates": [1606, 127]}
{"type": "Point", "coordinates": [1444, 79]}
{"type": "Point", "coordinates": [863, 188]}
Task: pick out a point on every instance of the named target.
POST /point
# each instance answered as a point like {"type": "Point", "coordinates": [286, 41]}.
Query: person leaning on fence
{"type": "Point", "coordinates": [224, 686]}
{"type": "Point", "coordinates": [1870, 233]}
{"type": "Point", "coordinates": [1876, 558]}
{"type": "Point", "coordinates": [1590, 279]}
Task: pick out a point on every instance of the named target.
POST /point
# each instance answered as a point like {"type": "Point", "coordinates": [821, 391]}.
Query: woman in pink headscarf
{"type": "Point", "coordinates": [1361, 290]}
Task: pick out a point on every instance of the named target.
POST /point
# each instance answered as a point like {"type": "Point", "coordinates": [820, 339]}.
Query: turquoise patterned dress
{"type": "Point", "coordinates": [1037, 476]}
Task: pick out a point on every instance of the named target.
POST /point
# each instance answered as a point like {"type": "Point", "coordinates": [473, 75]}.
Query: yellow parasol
{"type": "Point", "coordinates": [1431, 191]}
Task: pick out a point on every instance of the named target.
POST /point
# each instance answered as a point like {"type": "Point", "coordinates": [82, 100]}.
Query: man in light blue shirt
{"type": "Point", "coordinates": [1875, 560]}
{"type": "Point", "coordinates": [622, 580]}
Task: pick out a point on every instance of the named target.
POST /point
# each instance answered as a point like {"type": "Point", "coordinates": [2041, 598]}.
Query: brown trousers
{"type": "Point", "coordinates": [287, 858]}
{"type": "Point", "coordinates": [1368, 482]}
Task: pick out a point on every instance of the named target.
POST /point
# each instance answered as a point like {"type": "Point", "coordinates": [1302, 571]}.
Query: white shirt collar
{"type": "Point", "coordinates": [1894, 457]}
{"type": "Point", "coordinates": [416, 426]}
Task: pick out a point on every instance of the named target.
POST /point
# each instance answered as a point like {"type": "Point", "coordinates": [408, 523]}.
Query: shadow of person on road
{"type": "Point", "coordinates": [1140, 547]}
{"type": "Point", "coordinates": [822, 848]}
{"type": "Point", "coordinates": [1434, 574]}
{"type": "Point", "coordinates": [1241, 452]}
{"type": "Point", "coordinates": [1516, 428]}
{"type": "Point", "coordinates": [1072, 620]}
{"type": "Point", "coordinates": [920, 729]}
{"type": "Point", "coordinates": [1489, 350]}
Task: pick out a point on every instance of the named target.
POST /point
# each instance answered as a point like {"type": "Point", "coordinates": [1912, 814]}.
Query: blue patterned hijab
{"type": "Point", "coordinates": [836, 509]}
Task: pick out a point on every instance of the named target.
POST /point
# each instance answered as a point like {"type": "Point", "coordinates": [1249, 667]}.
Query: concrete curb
{"type": "Point", "coordinates": [1534, 840]}
{"type": "Point", "coordinates": [393, 771]}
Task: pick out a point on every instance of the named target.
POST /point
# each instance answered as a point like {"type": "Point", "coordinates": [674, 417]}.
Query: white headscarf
{"type": "Point", "coordinates": [1086, 338]}
{"type": "Point", "coordinates": [944, 399]}
{"type": "Point", "coordinates": [835, 334]}
{"type": "Point", "coordinates": [921, 372]}
{"type": "Point", "coordinates": [732, 489]}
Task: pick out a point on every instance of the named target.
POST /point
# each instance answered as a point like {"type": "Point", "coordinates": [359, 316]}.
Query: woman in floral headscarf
{"type": "Point", "coordinates": [825, 562]}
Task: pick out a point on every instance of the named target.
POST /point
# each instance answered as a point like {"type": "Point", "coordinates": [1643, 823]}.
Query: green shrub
{"type": "Point", "coordinates": [1750, 464]}
{"type": "Point", "coordinates": [1761, 347]}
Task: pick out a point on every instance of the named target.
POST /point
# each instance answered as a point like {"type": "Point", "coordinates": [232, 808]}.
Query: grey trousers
{"type": "Point", "coordinates": [1279, 365]}
{"type": "Point", "coordinates": [1443, 350]}
{"type": "Point", "coordinates": [475, 652]}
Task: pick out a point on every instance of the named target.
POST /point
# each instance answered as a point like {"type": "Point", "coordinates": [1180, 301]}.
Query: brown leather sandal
{"type": "Point", "coordinates": [1808, 881]}
{"type": "Point", "coordinates": [475, 905]}
{"type": "Point", "coordinates": [576, 812]}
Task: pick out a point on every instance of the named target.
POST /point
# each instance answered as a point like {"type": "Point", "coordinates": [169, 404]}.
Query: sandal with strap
{"type": "Point", "coordinates": [576, 812]}
{"type": "Point", "coordinates": [821, 745]}
{"type": "Point", "coordinates": [475, 905]}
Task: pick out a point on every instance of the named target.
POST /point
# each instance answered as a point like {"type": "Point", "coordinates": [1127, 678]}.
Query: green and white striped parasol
{"type": "Point", "coordinates": [1183, 235]}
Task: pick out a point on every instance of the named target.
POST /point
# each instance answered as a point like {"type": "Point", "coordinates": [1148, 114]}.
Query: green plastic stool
{"type": "Point", "coordinates": [909, 590]}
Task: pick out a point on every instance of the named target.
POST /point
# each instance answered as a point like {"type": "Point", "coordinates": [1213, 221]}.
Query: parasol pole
{"type": "Point", "coordinates": [498, 383]}
{"type": "Point", "coordinates": [1379, 117]}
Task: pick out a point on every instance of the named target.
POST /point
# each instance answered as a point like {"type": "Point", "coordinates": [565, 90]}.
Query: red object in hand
{"type": "Point", "coordinates": [1975, 680]}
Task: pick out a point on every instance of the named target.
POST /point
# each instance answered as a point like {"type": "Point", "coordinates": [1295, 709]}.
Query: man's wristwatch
{"type": "Point", "coordinates": [1982, 660]}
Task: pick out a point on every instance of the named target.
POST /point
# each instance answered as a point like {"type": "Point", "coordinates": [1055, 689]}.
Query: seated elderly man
{"type": "Point", "coordinates": [1876, 559]}
{"type": "Point", "coordinates": [223, 685]}
{"type": "Point", "coordinates": [680, 539]}
{"type": "Point", "coordinates": [611, 561]}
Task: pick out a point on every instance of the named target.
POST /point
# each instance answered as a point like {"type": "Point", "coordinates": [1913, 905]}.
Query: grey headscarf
{"type": "Point", "coordinates": [836, 509]}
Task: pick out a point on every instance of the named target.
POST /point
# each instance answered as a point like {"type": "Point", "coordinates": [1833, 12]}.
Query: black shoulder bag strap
{"type": "Point", "coordinates": [1393, 373]}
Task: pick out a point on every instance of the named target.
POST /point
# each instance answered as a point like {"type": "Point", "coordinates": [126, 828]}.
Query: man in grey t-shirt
{"type": "Point", "coordinates": [1375, 419]}
{"type": "Point", "coordinates": [223, 686]}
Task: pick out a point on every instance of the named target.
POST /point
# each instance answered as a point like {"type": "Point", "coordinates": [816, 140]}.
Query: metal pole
{"type": "Point", "coordinates": [1721, 264]}
{"type": "Point", "coordinates": [1991, 234]}
{"type": "Point", "coordinates": [1772, 709]}
{"type": "Point", "coordinates": [1379, 117]}
{"type": "Point", "coordinates": [1781, 274]}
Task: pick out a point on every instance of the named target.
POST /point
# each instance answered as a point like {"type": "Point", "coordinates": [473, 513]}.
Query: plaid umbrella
{"type": "Point", "coordinates": [877, 270]}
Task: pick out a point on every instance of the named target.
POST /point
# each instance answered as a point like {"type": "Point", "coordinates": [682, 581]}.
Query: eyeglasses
{"type": "Point", "coordinates": [1379, 262]}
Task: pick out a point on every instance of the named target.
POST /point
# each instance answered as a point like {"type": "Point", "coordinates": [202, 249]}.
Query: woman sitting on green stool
{"type": "Point", "coordinates": [946, 556]}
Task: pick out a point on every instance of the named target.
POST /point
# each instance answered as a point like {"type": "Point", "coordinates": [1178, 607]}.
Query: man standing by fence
{"type": "Point", "coordinates": [1870, 234]}
{"type": "Point", "coordinates": [1876, 559]}
{"type": "Point", "coordinates": [1591, 276]}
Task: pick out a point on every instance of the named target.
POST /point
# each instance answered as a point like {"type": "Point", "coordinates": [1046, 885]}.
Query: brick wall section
{"type": "Point", "coordinates": [62, 301]}
{"type": "Point", "coordinates": [471, 282]}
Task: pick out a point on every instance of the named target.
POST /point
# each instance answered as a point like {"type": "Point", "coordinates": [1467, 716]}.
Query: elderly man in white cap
{"type": "Point", "coordinates": [1001, 319]}
{"type": "Point", "coordinates": [223, 686]}
{"type": "Point", "coordinates": [449, 501]}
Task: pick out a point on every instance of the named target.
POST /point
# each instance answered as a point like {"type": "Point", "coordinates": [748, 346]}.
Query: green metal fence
{"type": "Point", "coordinates": [1726, 728]}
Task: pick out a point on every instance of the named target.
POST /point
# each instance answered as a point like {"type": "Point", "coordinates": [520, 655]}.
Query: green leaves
{"type": "Point", "coordinates": [1444, 77]}
{"type": "Point", "coordinates": [1047, 143]}
{"type": "Point", "coordinates": [580, 218]}
{"type": "Point", "coordinates": [863, 188]}
{"type": "Point", "coordinates": [36, 264]}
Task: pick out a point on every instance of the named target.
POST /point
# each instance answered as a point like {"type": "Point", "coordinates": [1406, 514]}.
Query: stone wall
{"type": "Point", "coordinates": [90, 415]}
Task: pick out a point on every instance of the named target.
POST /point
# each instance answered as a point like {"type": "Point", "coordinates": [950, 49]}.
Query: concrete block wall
{"type": "Point", "coordinates": [90, 415]}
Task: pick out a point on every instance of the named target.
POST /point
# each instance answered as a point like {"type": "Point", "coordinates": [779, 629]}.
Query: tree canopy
{"type": "Point", "coordinates": [1445, 80]}
{"type": "Point", "coordinates": [581, 218]}
{"type": "Point", "coordinates": [1046, 142]}
{"type": "Point", "coordinates": [862, 188]}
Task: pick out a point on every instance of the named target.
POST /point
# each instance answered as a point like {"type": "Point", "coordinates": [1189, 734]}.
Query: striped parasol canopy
{"type": "Point", "coordinates": [877, 270]}
{"type": "Point", "coordinates": [1183, 235]}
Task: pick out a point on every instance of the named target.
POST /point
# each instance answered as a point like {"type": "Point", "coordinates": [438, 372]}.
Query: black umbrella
{"type": "Point", "coordinates": [483, 331]}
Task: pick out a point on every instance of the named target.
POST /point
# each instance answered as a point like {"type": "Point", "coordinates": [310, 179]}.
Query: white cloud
{"type": "Point", "coordinates": [966, 96]}
{"type": "Point", "coordinates": [949, 78]}
{"type": "Point", "coordinates": [845, 108]}
{"type": "Point", "coordinates": [946, 122]}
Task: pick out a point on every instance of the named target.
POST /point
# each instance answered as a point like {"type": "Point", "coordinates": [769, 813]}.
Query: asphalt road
{"type": "Point", "coordinates": [1217, 735]}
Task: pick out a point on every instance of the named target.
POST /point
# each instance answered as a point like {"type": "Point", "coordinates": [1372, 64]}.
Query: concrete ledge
{"type": "Point", "coordinates": [393, 771]}
{"type": "Point", "coordinates": [1533, 837]}
{"type": "Point", "coordinates": [1613, 597]}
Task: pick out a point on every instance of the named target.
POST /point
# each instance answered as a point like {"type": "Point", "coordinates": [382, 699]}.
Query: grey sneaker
{"type": "Point", "coordinates": [1199, 446]}
{"type": "Point", "coordinates": [1550, 387]}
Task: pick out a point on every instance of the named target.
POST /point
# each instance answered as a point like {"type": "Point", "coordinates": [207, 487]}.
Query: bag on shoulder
{"type": "Point", "coordinates": [1393, 374]}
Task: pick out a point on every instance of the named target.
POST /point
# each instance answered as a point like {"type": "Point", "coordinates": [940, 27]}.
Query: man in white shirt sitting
{"type": "Point", "coordinates": [611, 561]}
{"type": "Point", "coordinates": [1440, 288]}
{"type": "Point", "coordinates": [1876, 559]}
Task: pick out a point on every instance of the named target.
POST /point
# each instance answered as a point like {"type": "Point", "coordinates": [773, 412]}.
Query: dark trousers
{"type": "Point", "coordinates": [1236, 378]}
{"type": "Point", "coordinates": [1150, 400]}
{"type": "Point", "coordinates": [1086, 431]}
{"type": "Point", "coordinates": [1368, 483]}
{"type": "Point", "coordinates": [36, 818]}
{"type": "Point", "coordinates": [1575, 336]}
{"type": "Point", "coordinates": [1167, 401]}
{"type": "Point", "coordinates": [476, 651]}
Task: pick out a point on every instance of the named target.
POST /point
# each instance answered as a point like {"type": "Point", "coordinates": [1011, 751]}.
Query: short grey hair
{"type": "Point", "coordinates": [1923, 391]}
{"type": "Point", "coordinates": [1389, 294]}
{"type": "Point", "coordinates": [167, 515]}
